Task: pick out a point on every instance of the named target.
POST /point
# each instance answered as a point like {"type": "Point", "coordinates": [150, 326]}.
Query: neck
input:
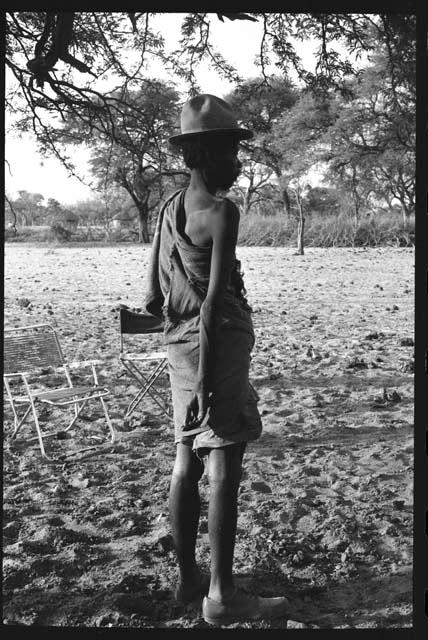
{"type": "Point", "coordinates": [199, 183]}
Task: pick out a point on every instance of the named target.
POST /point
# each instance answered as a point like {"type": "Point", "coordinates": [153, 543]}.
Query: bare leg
{"type": "Point", "coordinates": [184, 509]}
{"type": "Point", "coordinates": [224, 472]}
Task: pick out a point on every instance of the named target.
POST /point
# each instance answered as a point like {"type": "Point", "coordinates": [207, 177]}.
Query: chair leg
{"type": "Point", "coordinates": [110, 426]}
{"type": "Point", "coordinates": [162, 404]}
{"type": "Point", "coordinates": [77, 411]}
{"type": "Point", "coordinates": [18, 423]}
{"type": "Point", "coordinates": [135, 402]}
{"type": "Point", "coordinates": [39, 432]}
{"type": "Point", "coordinates": [148, 388]}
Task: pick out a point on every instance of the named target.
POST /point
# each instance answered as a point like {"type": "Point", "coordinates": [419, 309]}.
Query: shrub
{"type": "Point", "coordinates": [59, 233]}
{"type": "Point", "coordinates": [28, 234]}
{"type": "Point", "coordinates": [9, 234]}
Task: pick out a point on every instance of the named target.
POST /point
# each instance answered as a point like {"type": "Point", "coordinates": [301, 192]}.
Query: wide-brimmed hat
{"type": "Point", "coordinates": [206, 114]}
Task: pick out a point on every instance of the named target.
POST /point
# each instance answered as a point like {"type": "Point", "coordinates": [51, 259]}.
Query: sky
{"type": "Point", "coordinates": [27, 170]}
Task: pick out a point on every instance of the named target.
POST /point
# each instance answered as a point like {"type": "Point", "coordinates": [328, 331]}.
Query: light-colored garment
{"type": "Point", "coordinates": [178, 283]}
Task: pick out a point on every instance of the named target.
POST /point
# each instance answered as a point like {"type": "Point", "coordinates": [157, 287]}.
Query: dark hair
{"type": "Point", "coordinates": [202, 151]}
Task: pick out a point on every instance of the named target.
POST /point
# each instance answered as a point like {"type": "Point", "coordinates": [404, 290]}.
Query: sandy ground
{"type": "Point", "coordinates": [326, 498]}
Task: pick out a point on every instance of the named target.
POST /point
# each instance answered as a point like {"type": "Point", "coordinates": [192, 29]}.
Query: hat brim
{"type": "Point", "coordinates": [240, 134]}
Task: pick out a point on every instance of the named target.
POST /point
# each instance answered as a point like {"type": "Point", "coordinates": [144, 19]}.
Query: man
{"type": "Point", "coordinates": [196, 285]}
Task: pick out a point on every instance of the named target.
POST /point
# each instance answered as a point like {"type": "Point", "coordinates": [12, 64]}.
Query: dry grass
{"type": "Point", "coordinates": [326, 231]}
{"type": "Point", "coordinates": [264, 231]}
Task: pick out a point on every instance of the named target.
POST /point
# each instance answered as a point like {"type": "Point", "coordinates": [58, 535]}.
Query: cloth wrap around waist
{"type": "Point", "coordinates": [178, 280]}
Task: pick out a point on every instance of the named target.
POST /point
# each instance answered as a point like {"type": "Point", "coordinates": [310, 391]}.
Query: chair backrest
{"type": "Point", "coordinates": [30, 348]}
{"type": "Point", "coordinates": [132, 322]}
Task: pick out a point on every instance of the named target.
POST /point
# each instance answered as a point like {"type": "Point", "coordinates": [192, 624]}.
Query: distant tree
{"type": "Point", "coordinates": [391, 115]}
{"type": "Point", "coordinates": [132, 151]}
{"type": "Point", "coordinates": [298, 140]}
{"type": "Point", "coordinates": [98, 212]}
{"type": "Point", "coordinates": [53, 210]}
{"type": "Point", "coordinates": [86, 210]}
{"type": "Point", "coordinates": [108, 206]}
{"type": "Point", "coordinates": [11, 217]}
{"type": "Point", "coordinates": [372, 141]}
{"type": "Point", "coordinates": [260, 107]}
{"type": "Point", "coordinates": [28, 207]}
{"type": "Point", "coordinates": [322, 200]}
{"type": "Point", "coordinates": [251, 187]}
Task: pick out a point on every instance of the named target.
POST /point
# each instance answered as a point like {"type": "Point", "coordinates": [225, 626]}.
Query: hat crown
{"type": "Point", "coordinates": [206, 112]}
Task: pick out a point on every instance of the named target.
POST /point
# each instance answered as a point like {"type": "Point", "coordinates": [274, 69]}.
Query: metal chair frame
{"type": "Point", "coordinates": [140, 324]}
{"type": "Point", "coordinates": [35, 349]}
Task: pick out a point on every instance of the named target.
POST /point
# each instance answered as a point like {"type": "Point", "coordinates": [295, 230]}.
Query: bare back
{"type": "Point", "coordinates": [201, 210]}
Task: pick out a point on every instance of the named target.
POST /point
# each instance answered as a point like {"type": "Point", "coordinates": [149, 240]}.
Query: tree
{"type": "Point", "coordinates": [53, 210]}
{"type": "Point", "coordinates": [11, 217]}
{"type": "Point", "coordinates": [399, 180]}
{"type": "Point", "coordinates": [391, 106]}
{"type": "Point", "coordinates": [59, 66]}
{"type": "Point", "coordinates": [322, 200]}
{"type": "Point", "coordinates": [297, 140]}
{"type": "Point", "coordinates": [28, 207]}
{"type": "Point", "coordinates": [372, 141]}
{"type": "Point", "coordinates": [132, 151]}
{"type": "Point", "coordinates": [51, 82]}
{"type": "Point", "coordinates": [252, 184]}
{"type": "Point", "coordinates": [260, 107]}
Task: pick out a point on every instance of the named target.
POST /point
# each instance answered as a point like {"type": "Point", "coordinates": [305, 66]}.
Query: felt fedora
{"type": "Point", "coordinates": [205, 114]}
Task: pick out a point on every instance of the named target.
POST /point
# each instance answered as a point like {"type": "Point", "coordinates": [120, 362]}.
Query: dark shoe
{"type": "Point", "coordinates": [242, 606]}
{"type": "Point", "coordinates": [185, 595]}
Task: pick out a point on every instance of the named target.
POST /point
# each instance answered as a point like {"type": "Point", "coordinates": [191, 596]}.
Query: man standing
{"type": "Point", "coordinates": [195, 284]}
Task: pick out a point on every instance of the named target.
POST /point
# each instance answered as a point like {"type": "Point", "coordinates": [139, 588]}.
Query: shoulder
{"type": "Point", "coordinates": [225, 221]}
{"type": "Point", "coordinates": [226, 211]}
{"type": "Point", "coordinates": [170, 201]}
{"type": "Point", "coordinates": [172, 196]}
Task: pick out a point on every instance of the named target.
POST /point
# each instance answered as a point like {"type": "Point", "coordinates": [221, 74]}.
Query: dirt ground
{"type": "Point", "coordinates": [325, 506]}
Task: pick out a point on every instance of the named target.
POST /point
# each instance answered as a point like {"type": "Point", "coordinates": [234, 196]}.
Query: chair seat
{"type": "Point", "coordinates": [153, 355]}
{"type": "Point", "coordinates": [63, 394]}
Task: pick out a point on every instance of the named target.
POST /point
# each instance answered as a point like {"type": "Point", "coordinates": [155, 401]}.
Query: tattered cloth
{"type": "Point", "coordinates": [177, 285]}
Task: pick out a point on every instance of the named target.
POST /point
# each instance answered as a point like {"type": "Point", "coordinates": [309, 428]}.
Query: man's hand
{"type": "Point", "coordinates": [197, 407]}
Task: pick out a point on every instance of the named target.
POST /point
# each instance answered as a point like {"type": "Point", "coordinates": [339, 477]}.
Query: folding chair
{"type": "Point", "coordinates": [145, 367]}
{"type": "Point", "coordinates": [35, 352]}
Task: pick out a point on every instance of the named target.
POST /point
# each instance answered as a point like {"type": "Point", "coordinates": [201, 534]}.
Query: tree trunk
{"type": "Point", "coordinates": [286, 200]}
{"type": "Point", "coordinates": [406, 215]}
{"type": "Point", "coordinates": [284, 193]}
{"type": "Point", "coordinates": [356, 215]}
{"type": "Point", "coordinates": [24, 219]}
{"type": "Point", "coordinates": [143, 226]}
{"type": "Point", "coordinates": [13, 212]}
{"type": "Point", "coordinates": [246, 202]}
{"type": "Point", "coordinates": [356, 197]}
{"type": "Point", "coordinates": [300, 236]}
{"type": "Point", "coordinates": [300, 225]}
